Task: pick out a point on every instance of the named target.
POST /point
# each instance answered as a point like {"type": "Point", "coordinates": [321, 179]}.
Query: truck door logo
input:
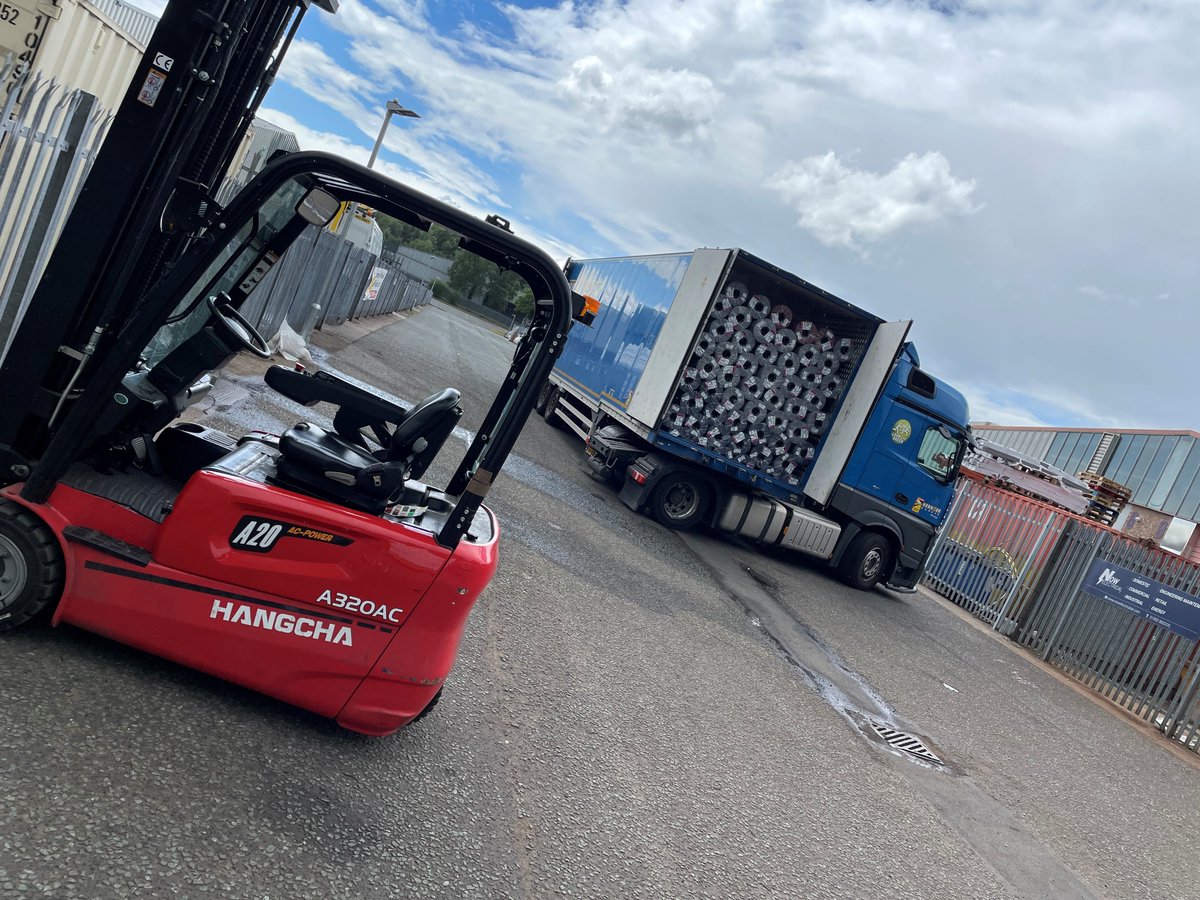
{"type": "Point", "coordinates": [901, 431]}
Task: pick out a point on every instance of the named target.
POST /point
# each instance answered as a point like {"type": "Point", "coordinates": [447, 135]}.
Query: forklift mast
{"type": "Point", "coordinates": [149, 194]}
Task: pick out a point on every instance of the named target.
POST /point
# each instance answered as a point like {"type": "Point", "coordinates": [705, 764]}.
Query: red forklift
{"type": "Point", "coordinates": [316, 566]}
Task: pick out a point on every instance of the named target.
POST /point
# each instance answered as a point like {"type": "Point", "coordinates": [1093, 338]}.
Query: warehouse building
{"type": "Point", "coordinates": [1160, 468]}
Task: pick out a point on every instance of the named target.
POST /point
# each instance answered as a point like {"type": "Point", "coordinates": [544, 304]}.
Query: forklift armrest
{"type": "Point", "coordinates": [324, 387]}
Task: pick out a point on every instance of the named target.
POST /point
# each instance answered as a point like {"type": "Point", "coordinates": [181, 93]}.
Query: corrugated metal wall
{"type": "Point", "coordinates": [1162, 469]}
{"type": "Point", "coordinates": [95, 45]}
{"type": "Point", "coordinates": [1030, 443]}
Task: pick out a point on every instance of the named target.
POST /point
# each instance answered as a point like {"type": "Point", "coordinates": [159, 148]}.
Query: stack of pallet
{"type": "Point", "coordinates": [1108, 498]}
{"type": "Point", "coordinates": [762, 382]}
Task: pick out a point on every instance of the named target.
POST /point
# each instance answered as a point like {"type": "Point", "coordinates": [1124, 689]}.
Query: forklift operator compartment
{"type": "Point", "coordinates": [314, 565]}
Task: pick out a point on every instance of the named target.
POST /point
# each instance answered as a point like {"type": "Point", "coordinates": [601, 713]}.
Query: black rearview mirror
{"type": "Point", "coordinates": [318, 207]}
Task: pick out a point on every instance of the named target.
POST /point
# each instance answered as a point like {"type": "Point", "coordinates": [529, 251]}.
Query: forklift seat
{"type": "Point", "coordinates": [327, 465]}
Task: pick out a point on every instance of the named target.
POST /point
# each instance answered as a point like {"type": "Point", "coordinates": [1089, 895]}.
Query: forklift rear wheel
{"type": "Point", "coordinates": [867, 561]}
{"type": "Point", "coordinates": [31, 566]}
{"type": "Point", "coordinates": [428, 709]}
{"type": "Point", "coordinates": [679, 501]}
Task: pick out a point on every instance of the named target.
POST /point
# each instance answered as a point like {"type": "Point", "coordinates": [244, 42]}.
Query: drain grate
{"type": "Point", "coordinates": [905, 742]}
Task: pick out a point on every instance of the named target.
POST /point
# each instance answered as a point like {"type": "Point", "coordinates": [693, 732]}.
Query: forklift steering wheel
{"type": "Point", "coordinates": [233, 324]}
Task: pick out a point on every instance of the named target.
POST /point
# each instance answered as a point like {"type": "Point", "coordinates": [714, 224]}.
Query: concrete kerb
{"type": "Point", "coordinates": [1113, 709]}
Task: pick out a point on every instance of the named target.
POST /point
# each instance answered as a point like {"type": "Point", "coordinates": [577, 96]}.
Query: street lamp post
{"type": "Point", "coordinates": [393, 109]}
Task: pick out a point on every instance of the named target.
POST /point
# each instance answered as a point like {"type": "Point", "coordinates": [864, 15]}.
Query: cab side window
{"type": "Point", "coordinates": [937, 454]}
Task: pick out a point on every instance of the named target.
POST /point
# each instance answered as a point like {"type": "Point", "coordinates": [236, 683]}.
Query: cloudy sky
{"type": "Point", "coordinates": [1018, 176]}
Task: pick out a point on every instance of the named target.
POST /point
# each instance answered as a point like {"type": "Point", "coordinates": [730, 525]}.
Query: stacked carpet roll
{"type": "Point", "coordinates": [760, 385]}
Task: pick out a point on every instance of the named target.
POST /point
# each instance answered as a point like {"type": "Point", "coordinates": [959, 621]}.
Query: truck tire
{"type": "Point", "coordinates": [31, 566]}
{"type": "Point", "coordinates": [679, 501]}
{"type": "Point", "coordinates": [867, 561]}
{"type": "Point", "coordinates": [543, 398]}
{"type": "Point", "coordinates": [549, 409]}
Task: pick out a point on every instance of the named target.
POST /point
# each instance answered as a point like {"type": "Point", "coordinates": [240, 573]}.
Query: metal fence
{"type": "Point", "coordinates": [1028, 569]}
{"type": "Point", "coordinates": [324, 280]}
{"type": "Point", "coordinates": [49, 137]}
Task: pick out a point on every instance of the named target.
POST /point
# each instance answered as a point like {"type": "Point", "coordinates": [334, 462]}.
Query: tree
{"type": "Point", "coordinates": [524, 302]}
{"type": "Point", "coordinates": [471, 274]}
{"type": "Point", "coordinates": [503, 290]}
{"type": "Point", "coordinates": [438, 240]}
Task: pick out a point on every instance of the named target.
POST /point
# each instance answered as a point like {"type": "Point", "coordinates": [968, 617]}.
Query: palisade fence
{"type": "Point", "coordinates": [49, 137]}
{"type": "Point", "coordinates": [1117, 615]}
{"type": "Point", "coordinates": [324, 280]}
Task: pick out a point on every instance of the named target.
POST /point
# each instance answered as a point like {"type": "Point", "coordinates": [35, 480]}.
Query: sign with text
{"type": "Point", "coordinates": [1150, 599]}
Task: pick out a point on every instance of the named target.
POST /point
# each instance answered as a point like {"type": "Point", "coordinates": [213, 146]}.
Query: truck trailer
{"type": "Point", "coordinates": [717, 389]}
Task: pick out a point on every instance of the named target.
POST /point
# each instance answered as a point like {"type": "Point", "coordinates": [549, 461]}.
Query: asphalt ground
{"type": "Point", "coordinates": [633, 714]}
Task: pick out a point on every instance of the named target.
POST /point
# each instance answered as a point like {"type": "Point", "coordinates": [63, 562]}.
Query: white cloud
{"type": "Point", "coordinates": [672, 103]}
{"type": "Point", "coordinates": [848, 207]}
{"type": "Point", "coordinates": [310, 139]}
{"type": "Point", "coordinates": [807, 132]}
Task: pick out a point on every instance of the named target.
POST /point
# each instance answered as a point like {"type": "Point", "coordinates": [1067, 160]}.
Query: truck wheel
{"type": "Point", "coordinates": [679, 501]}
{"type": "Point", "coordinates": [867, 561]}
{"type": "Point", "coordinates": [549, 409]}
{"type": "Point", "coordinates": [543, 398]}
{"type": "Point", "coordinates": [31, 566]}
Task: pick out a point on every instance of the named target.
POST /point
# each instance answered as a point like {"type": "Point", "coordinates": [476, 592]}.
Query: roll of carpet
{"type": "Point", "coordinates": [773, 398]}
{"type": "Point", "coordinates": [725, 353]}
{"type": "Point", "coordinates": [759, 306]}
{"type": "Point", "coordinates": [767, 353]}
{"type": "Point", "coordinates": [763, 331]}
{"type": "Point", "coordinates": [721, 328]}
{"type": "Point", "coordinates": [737, 292]}
{"type": "Point", "coordinates": [732, 398]}
{"type": "Point", "coordinates": [797, 432]}
{"type": "Point", "coordinates": [741, 317]}
{"type": "Point", "coordinates": [789, 363]}
{"type": "Point", "coordinates": [771, 377]}
{"type": "Point", "coordinates": [785, 340]}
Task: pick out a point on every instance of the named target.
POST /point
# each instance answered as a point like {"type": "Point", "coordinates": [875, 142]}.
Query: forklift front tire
{"type": "Point", "coordinates": [31, 566]}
